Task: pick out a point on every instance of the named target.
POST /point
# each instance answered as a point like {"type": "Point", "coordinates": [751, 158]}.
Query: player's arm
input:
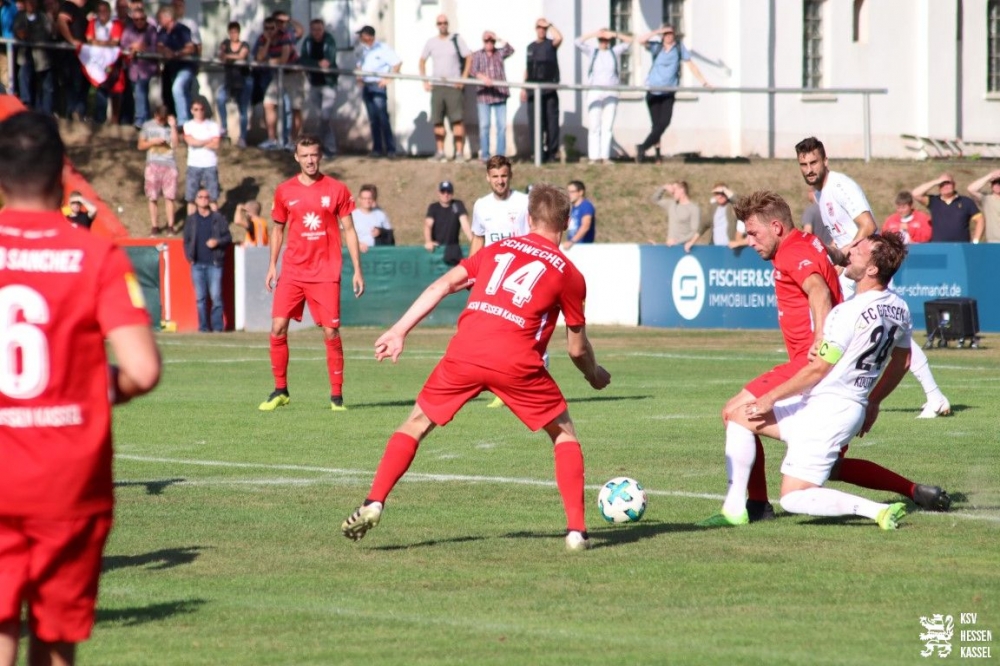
{"type": "Point", "coordinates": [899, 364]}
{"type": "Point", "coordinates": [138, 362]}
{"type": "Point", "coordinates": [354, 249]}
{"type": "Point", "coordinates": [866, 225]}
{"type": "Point", "coordinates": [803, 380]}
{"type": "Point", "coordinates": [277, 238]}
{"type": "Point", "coordinates": [820, 303]}
{"type": "Point", "coordinates": [581, 352]}
{"type": "Point", "coordinates": [390, 343]}
{"type": "Point", "coordinates": [463, 220]}
{"type": "Point", "coordinates": [477, 244]}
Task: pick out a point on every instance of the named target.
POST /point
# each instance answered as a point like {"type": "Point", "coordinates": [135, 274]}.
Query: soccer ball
{"type": "Point", "coordinates": [622, 500]}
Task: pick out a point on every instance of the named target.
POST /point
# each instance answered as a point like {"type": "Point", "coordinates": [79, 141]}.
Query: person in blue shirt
{"type": "Point", "coordinates": [668, 54]}
{"type": "Point", "coordinates": [582, 216]}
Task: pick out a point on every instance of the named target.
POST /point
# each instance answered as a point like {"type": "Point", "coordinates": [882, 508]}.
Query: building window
{"type": "Point", "coordinates": [621, 21]}
{"type": "Point", "coordinates": [993, 46]}
{"type": "Point", "coordinates": [673, 15]}
{"type": "Point", "coordinates": [812, 43]}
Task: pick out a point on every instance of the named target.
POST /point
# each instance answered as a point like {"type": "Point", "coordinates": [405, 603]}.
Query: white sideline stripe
{"type": "Point", "coordinates": [508, 480]}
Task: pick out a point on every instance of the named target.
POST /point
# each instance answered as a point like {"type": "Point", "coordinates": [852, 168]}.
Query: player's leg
{"type": "Point", "coordinates": [324, 306]}
{"type": "Point", "coordinates": [51, 654]}
{"type": "Point", "coordinates": [936, 404]}
{"type": "Point", "coordinates": [289, 303]}
{"type": "Point", "coordinates": [10, 631]}
{"type": "Point", "coordinates": [867, 474]}
{"type": "Point", "coordinates": [14, 558]}
{"type": "Point", "coordinates": [570, 478]}
{"type": "Point", "coordinates": [801, 496]}
{"type": "Point", "coordinates": [335, 366]}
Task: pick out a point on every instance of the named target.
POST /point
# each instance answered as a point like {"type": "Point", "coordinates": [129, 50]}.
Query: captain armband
{"type": "Point", "coordinates": [829, 353]}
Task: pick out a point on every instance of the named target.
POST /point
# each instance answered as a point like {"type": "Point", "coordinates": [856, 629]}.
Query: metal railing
{"type": "Point", "coordinates": [534, 89]}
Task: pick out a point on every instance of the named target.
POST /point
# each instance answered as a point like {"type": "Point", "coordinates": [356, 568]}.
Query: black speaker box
{"type": "Point", "coordinates": [951, 319]}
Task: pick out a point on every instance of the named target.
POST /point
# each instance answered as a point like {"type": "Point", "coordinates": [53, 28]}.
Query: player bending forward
{"type": "Point", "coordinates": [841, 391]}
{"type": "Point", "coordinates": [519, 285]}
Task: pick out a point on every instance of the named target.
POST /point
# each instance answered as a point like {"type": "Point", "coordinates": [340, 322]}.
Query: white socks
{"type": "Point", "coordinates": [921, 369]}
{"type": "Point", "coordinates": [740, 454]}
{"type": "Point", "coordinates": [829, 502]}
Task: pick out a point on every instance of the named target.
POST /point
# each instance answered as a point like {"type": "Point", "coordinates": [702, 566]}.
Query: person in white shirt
{"type": "Point", "coordinates": [369, 220]}
{"type": "Point", "coordinates": [848, 218]}
{"type": "Point", "coordinates": [864, 354]}
{"type": "Point", "coordinates": [202, 137]}
{"type": "Point", "coordinates": [603, 63]}
{"type": "Point", "coordinates": [503, 213]}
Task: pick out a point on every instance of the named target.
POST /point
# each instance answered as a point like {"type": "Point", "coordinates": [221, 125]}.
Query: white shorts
{"type": "Point", "coordinates": [815, 432]}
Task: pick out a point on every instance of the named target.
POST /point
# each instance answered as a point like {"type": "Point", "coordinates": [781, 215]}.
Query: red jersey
{"type": "Point", "coordinates": [519, 287]}
{"type": "Point", "coordinates": [312, 215]}
{"type": "Point", "coordinates": [62, 290]}
{"type": "Point", "coordinates": [799, 256]}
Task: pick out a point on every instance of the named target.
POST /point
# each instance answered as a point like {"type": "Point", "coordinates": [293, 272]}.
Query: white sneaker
{"type": "Point", "coordinates": [576, 542]}
{"type": "Point", "coordinates": [934, 410]}
{"type": "Point", "coordinates": [363, 519]}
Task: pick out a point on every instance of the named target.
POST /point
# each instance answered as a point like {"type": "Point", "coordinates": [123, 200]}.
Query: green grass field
{"type": "Point", "coordinates": [227, 547]}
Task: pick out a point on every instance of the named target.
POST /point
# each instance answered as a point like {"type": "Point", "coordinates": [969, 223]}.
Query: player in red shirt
{"type": "Point", "coordinates": [807, 287]}
{"type": "Point", "coordinates": [63, 291]}
{"type": "Point", "coordinates": [312, 208]}
{"type": "Point", "coordinates": [519, 286]}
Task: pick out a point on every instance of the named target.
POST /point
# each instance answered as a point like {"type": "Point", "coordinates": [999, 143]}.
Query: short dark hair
{"type": "Point", "coordinates": [32, 154]}
{"type": "Point", "coordinates": [306, 140]}
{"type": "Point", "coordinates": [578, 184]}
{"type": "Point", "coordinates": [809, 145]}
{"type": "Point", "coordinates": [317, 21]}
{"type": "Point", "coordinates": [548, 206]}
{"type": "Point", "coordinates": [498, 162]}
{"type": "Point", "coordinates": [904, 198]}
{"type": "Point", "coordinates": [766, 205]}
{"type": "Point", "coordinates": [368, 187]}
{"type": "Point", "coordinates": [684, 186]}
{"type": "Point", "coordinates": [888, 252]}
{"type": "Point", "coordinates": [233, 25]}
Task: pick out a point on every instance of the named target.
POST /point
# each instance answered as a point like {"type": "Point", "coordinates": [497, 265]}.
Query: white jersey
{"type": "Point", "coordinates": [861, 334]}
{"type": "Point", "coordinates": [495, 219]}
{"type": "Point", "coordinates": [841, 201]}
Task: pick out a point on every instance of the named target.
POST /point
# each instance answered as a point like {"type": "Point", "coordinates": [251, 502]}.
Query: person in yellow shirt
{"type": "Point", "coordinates": [248, 217]}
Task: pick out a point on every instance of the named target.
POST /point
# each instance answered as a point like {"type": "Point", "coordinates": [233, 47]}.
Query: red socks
{"type": "Point", "coordinates": [399, 453]}
{"type": "Point", "coordinates": [867, 474]}
{"type": "Point", "coordinates": [335, 365]}
{"type": "Point", "coordinates": [757, 485]}
{"type": "Point", "coordinates": [279, 361]}
{"type": "Point", "coordinates": [569, 479]}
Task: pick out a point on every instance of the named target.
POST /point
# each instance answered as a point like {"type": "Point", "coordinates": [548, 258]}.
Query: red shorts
{"type": "Point", "coordinates": [53, 565]}
{"type": "Point", "coordinates": [290, 297]}
{"type": "Point", "coordinates": [535, 399]}
{"type": "Point", "coordinates": [775, 376]}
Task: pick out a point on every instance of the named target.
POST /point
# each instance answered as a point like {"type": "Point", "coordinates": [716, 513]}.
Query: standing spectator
{"type": "Point", "coordinates": [668, 53]}
{"type": "Point", "coordinates": [174, 44]}
{"type": "Point", "coordinates": [954, 218]}
{"type": "Point", "coordinates": [990, 203]}
{"type": "Point", "coordinates": [543, 67]}
{"type": "Point", "coordinates": [56, 480]}
{"type": "Point", "coordinates": [370, 221]}
{"type": "Point", "coordinates": [237, 84]}
{"type": "Point", "coordinates": [275, 48]}
{"type": "Point", "coordinates": [582, 216]}
{"type": "Point", "coordinates": [451, 61]}
{"type": "Point", "coordinates": [123, 14]}
{"type": "Point", "coordinates": [71, 28]}
{"type": "Point", "coordinates": [603, 67]}
{"type": "Point", "coordinates": [444, 219]}
{"type": "Point", "coordinates": [491, 100]}
{"type": "Point", "coordinates": [312, 208]}
{"type": "Point", "coordinates": [294, 81]}
{"type": "Point", "coordinates": [913, 225]}
{"type": "Point", "coordinates": [36, 79]}
{"type": "Point", "coordinates": [206, 237]}
{"type": "Point", "coordinates": [8, 12]}
{"type": "Point", "coordinates": [377, 58]}
{"type": "Point", "coordinates": [81, 212]}
{"type": "Point", "coordinates": [683, 215]}
{"type": "Point", "coordinates": [103, 30]}
{"type": "Point", "coordinates": [139, 39]}
{"type": "Point", "coordinates": [254, 226]}
{"type": "Point", "coordinates": [723, 224]}
{"type": "Point", "coordinates": [320, 50]}
{"type": "Point", "coordinates": [202, 137]}
{"type": "Point", "coordinates": [180, 15]}
{"type": "Point", "coordinates": [158, 137]}
{"type": "Point", "coordinates": [503, 213]}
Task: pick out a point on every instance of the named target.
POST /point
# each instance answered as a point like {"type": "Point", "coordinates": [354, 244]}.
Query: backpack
{"type": "Point", "coordinates": [593, 59]}
{"type": "Point", "coordinates": [458, 52]}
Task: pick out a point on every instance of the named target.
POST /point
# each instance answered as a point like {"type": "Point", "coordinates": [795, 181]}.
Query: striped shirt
{"type": "Point", "coordinates": [491, 64]}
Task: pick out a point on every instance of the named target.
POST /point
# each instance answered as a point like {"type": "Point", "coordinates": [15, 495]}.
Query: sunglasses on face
{"type": "Point", "coordinates": [442, 23]}
{"type": "Point", "coordinates": [489, 40]}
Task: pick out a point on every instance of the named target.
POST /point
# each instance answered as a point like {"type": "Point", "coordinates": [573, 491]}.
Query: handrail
{"type": "Point", "coordinates": [536, 88]}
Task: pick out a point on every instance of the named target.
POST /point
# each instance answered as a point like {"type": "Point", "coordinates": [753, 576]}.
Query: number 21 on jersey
{"type": "Point", "coordinates": [519, 283]}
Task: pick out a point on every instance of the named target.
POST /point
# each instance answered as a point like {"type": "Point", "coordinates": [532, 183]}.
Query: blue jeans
{"type": "Point", "coordinates": [181, 92]}
{"type": "Point", "coordinates": [140, 92]}
{"type": "Point", "coordinates": [40, 99]}
{"type": "Point", "coordinates": [499, 111]}
{"type": "Point", "coordinates": [242, 103]}
{"type": "Point", "coordinates": [208, 284]}
{"type": "Point", "coordinates": [377, 105]}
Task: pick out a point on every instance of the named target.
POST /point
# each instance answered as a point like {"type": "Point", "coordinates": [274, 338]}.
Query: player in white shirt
{"type": "Point", "coordinates": [848, 218]}
{"type": "Point", "coordinates": [503, 213]}
{"type": "Point", "coordinates": [863, 356]}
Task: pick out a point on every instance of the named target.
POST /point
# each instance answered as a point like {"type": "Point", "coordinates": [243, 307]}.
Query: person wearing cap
{"type": "Point", "coordinates": [954, 218]}
{"type": "Point", "coordinates": [989, 202]}
{"type": "Point", "coordinates": [491, 99]}
{"type": "Point", "coordinates": [445, 218]}
{"type": "Point", "coordinates": [451, 61]}
{"type": "Point", "coordinates": [377, 58]}
{"type": "Point", "coordinates": [603, 67]}
{"type": "Point", "coordinates": [81, 212]}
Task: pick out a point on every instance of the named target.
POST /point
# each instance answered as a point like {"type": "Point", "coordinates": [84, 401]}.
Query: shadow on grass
{"type": "Point", "coordinates": [155, 487]}
{"type": "Point", "coordinates": [429, 543]}
{"type": "Point", "coordinates": [608, 537]}
{"type": "Point", "coordinates": [165, 558]}
{"type": "Point", "coordinates": [489, 398]}
{"type": "Point", "coordinates": [130, 617]}
{"type": "Point", "coordinates": [955, 409]}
